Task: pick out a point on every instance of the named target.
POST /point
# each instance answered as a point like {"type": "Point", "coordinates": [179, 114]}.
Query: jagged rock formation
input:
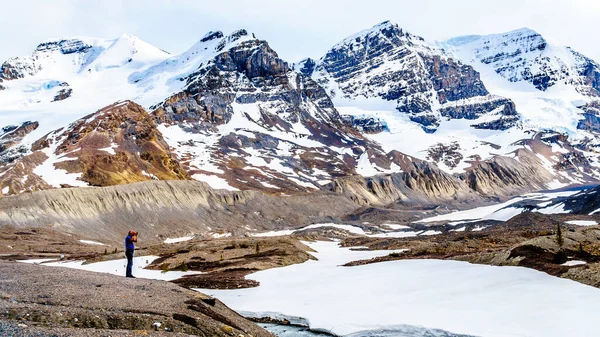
{"type": "Point", "coordinates": [476, 107]}
{"type": "Point", "coordinates": [394, 65]}
{"type": "Point", "coordinates": [366, 124]}
{"type": "Point", "coordinates": [591, 117]}
{"type": "Point", "coordinates": [262, 125]}
{"type": "Point", "coordinates": [448, 154]}
{"type": "Point", "coordinates": [63, 94]}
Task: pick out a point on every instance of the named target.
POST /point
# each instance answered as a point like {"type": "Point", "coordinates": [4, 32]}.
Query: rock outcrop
{"type": "Point", "coordinates": [97, 304]}
{"type": "Point", "coordinates": [10, 137]}
{"type": "Point", "coordinates": [261, 124]}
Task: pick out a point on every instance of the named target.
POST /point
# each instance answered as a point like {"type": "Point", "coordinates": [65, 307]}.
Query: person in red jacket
{"type": "Point", "coordinates": [129, 248]}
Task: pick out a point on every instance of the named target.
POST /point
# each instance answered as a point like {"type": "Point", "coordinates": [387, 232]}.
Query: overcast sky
{"type": "Point", "coordinates": [295, 29]}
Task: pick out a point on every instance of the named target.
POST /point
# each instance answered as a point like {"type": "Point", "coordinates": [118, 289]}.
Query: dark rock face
{"type": "Point", "coordinates": [212, 36]}
{"type": "Point", "coordinates": [477, 108]}
{"type": "Point", "coordinates": [590, 122]}
{"type": "Point", "coordinates": [591, 117]}
{"type": "Point", "coordinates": [447, 154]}
{"type": "Point", "coordinates": [65, 46]}
{"type": "Point", "coordinates": [366, 124]}
{"type": "Point", "coordinates": [307, 67]}
{"type": "Point", "coordinates": [210, 90]}
{"type": "Point", "coordinates": [502, 123]}
{"type": "Point", "coordinates": [10, 136]}
{"type": "Point", "coordinates": [62, 94]}
{"type": "Point", "coordinates": [453, 80]}
{"type": "Point", "coordinates": [589, 72]}
{"type": "Point", "coordinates": [473, 109]}
{"type": "Point", "coordinates": [10, 72]}
{"type": "Point", "coordinates": [392, 64]}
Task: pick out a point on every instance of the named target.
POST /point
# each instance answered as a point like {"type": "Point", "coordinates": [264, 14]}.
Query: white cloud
{"type": "Point", "coordinates": [294, 29]}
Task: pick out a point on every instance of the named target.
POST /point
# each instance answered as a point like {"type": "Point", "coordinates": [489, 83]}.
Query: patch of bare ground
{"type": "Point", "coordinates": [23, 243]}
{"type": "Point", "coordinates": [224, 263]}
{"type": "Point", "coordinates": [532, 240]}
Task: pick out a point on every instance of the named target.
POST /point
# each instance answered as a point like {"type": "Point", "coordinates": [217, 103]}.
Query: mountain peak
{"type": "Point", "coordinates": [385, 28]}
{"type": "Point", "coordinates": [522, 31]}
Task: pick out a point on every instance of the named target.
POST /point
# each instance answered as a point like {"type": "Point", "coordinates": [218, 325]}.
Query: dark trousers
{"type": "Point", "coordinates": [129, 254]}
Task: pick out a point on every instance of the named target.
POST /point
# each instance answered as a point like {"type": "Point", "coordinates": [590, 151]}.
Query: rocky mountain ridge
{"type": "Point", "coordinates": [426, 83]}
{"type": "Point", "coordinates": [232, 113]}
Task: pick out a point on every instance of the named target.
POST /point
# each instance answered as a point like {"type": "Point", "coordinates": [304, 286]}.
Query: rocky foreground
{"type": "Point", "coordinates": [37, 300]}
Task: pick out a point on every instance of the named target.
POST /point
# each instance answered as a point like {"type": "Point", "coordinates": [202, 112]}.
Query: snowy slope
{"type": "Point", "coordinates": [96, 70]}
{"type": "Point", "coordinates": [524, 55]}
{"type": "Point", "coordinates": [547, 81]}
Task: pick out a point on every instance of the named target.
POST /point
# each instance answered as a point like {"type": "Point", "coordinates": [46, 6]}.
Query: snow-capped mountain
{"type": "Point", "coordinates": [422, 81]}
{"type": "Point", "coordinates": [526, 56]}
{"type": "Point", "coordinates": [550, 83]}
{"type": "Point", "coordinates": [229, 111]}
{"type": "Point", "coordinates": [463, 118]}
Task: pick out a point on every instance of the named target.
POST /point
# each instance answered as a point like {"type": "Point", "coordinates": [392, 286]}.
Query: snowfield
{"type": "Point", "coordinates": [117, 267]}
{"type": "Point", "coordinates": [506, 210]}
{"type": "Point", "coordinates": [582, 222]}
{"type": "Point", "coordinates": [176, 240]}
{"type": "Point", "coordinates": [453, 296]}
{"type": "Point", "coordinates": [90, 242]}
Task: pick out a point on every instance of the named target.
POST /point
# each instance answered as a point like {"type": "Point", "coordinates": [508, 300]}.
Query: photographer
{"type": "Point", "coordinates": [129, 248]}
